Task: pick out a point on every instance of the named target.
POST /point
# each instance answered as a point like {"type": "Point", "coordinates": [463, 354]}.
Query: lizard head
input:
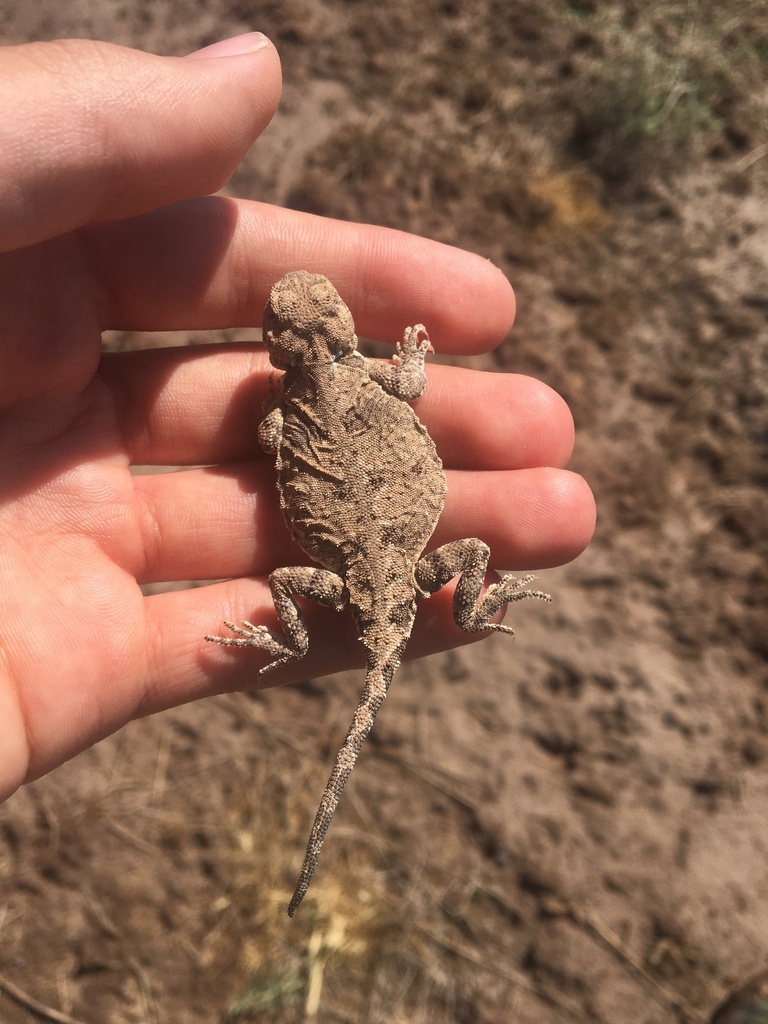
{"type": "Point", "coordinates": [306, 321]}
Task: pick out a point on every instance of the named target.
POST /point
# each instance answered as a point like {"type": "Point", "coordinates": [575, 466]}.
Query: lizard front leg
{"type": "Point", "coordinates": [271, 427]}
{"type": "Point", "coordinates": [470, 559]}
{"type": "Point", "coordinates": [302, 581]}
{"type": "Point", "coordinates": [404, 377]}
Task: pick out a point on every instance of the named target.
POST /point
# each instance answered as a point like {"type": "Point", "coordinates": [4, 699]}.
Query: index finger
{"type": "Point", "coordinates": [209, 263]}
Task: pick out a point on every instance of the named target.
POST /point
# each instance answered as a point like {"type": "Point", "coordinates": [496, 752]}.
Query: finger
{"type": "Point", "coordinates": [172, 664]}
{"type": "Point", "coordinates": [491, 421]}
{"type": "Point", "coordinates": [208, 524]}
{"type": "Point", "coordinates": [92, 131]}
{"type": "Point", "coordinates": [203, 405]}
{"type": "Point", "coordinates": [183, 667]}
{"type": "Point", "coordinates": [531, 518]}
{"type": "Point", "coordinates": [210, 263]}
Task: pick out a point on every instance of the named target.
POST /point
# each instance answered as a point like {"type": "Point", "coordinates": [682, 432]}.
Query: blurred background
{"type": "Point", "coordinates": [570, 829]}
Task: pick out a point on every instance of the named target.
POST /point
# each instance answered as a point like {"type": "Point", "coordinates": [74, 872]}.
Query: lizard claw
{"type": "Point", "coordinates": [264, 639]}
{"type": "Point", "coordinates": [413, 348]}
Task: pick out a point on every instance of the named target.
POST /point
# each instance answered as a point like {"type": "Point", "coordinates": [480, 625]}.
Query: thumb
{"type": "Point", "coordinates": [92, 131]}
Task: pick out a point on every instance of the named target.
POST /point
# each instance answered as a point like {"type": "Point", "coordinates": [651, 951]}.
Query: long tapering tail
{"type": "Point", "coordinates": [377, 680]}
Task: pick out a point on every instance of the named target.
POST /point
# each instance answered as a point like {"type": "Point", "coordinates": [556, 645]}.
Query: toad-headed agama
{"type": "Point", "coordinates": [361, 488]}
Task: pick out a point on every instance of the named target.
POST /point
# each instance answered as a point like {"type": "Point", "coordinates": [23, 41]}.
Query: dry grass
{"type": "Point", "coordinates": [372, 941]}
{"type": "Point", "coordinates": [664, 83]}
{"type": "Point", "coordinates": [350, 943]}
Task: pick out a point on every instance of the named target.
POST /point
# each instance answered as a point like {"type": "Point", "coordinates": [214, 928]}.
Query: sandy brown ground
{"type": "Point", "coordinates": [571, 829]}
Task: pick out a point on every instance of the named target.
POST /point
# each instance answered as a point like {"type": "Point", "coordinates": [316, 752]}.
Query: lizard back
{"type": "Point", "coordinates": [358, 475]}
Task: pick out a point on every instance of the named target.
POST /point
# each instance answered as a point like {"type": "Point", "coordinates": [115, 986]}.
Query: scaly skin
{"type": "Point", "coordinates": [361, 489]}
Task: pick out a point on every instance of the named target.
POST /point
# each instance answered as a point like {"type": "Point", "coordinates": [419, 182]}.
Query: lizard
{"type": "Point", "coordinates": [361, 488]}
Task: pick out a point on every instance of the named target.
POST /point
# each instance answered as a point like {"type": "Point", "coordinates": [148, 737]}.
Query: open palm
{"type": "Point", "coordinates": [108, 224]}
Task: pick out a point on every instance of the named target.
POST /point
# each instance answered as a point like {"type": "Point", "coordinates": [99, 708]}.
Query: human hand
{"type": "Point", "coordinates": [107, 159]}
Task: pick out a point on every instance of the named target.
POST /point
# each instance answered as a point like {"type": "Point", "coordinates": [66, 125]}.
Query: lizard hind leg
{"type": "Point", "coordinates": [298, 581]}
{"type": "Point", "coordinates": [468, 559]}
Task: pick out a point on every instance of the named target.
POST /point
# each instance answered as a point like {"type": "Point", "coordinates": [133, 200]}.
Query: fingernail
{"type": "Point", "coordinates": [249, 42]}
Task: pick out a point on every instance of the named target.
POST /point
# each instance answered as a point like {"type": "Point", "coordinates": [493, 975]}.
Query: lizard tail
{"type": "Point", "coordinates": [377, 681]}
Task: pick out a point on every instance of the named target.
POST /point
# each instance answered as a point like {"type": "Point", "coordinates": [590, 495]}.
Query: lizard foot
{"type": "Point", "coordinates": [413, 347]}
{"type": "Point", "coordinates": [249, 635]}
{"type": "Point", "coordinates": [507, 590]}
{"type": "Point", "coordinates": [472, 609]}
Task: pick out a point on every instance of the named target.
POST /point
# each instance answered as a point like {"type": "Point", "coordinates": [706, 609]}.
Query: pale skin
{"type": "Point", "coordinates": [107, 157]}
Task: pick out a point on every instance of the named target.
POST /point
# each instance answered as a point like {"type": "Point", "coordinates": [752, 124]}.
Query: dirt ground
{"type": "Point", "coordinates": [571, 829]}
